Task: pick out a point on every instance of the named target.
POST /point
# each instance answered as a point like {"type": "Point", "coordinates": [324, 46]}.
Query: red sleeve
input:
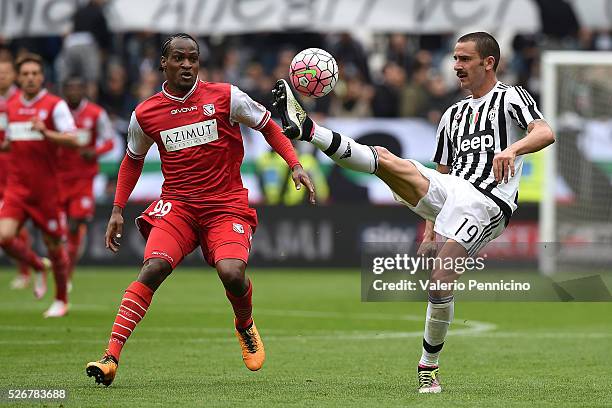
{"type": "Point", "coordinates": [129, 173]}
{"type": "Point", "coordinates": [107, 146]}
{"type": "Point", "coordinates": [279, 142]}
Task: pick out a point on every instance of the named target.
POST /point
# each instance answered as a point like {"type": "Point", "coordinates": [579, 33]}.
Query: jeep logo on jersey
{"type": "Point", "coordinates": [186, 136]}
{"type": "Point", "coordinates": [477, 142]}
{"type": "Point", "coordinates": [209, 109]}
{"type": "Point", "coordinates": [183, 110]}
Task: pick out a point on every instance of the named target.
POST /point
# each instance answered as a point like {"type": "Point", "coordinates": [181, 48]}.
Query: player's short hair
{"type": "Point", "coordinates": [486, 45]}
{"type": "Point", "coordinates": [29, 57]}
{"type": "Point", "coordinates": [73, 78]}
{"type": "Point", "coordinates": [166, 45]}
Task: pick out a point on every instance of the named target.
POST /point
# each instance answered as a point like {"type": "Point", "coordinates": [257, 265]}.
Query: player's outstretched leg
{"type": "Point", "coordinates": [297, 125]}
{"type": "Point", "coordinates": [24, 277]}
{"type": "Point", "coordinates": [239, 291]}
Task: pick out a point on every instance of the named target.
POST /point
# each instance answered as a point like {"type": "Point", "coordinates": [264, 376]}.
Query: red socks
{"type": "Point", "coordinates": [243, 307]}
{"type": "Point", "coordinates": [24, 267]}
{"type": "Point", "coordinates": [133, 308]}
{"type": "Point", "coordinates": [59, 259]}
{"type": "Point", "coordinates": [19, 249]}
{"type": "Point", "coordinates": [74, 247]}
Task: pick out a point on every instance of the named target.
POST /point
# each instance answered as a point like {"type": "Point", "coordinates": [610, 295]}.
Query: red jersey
{"type": "Point", "coordinates": [93, 127]}
{"type": "Point", "coordinates": [4, 157]}
{"type": "Point", "coordinates": [33, 158]}
{"type": "Point", "coordinates": [199, 141]}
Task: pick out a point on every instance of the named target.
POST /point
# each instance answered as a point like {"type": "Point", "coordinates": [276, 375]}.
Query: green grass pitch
{"type": "Point", "coordinates": [324, 347]}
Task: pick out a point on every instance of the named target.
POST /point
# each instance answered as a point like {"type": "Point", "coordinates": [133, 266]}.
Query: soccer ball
{"type": "Point", "coordinates": [313, 72]}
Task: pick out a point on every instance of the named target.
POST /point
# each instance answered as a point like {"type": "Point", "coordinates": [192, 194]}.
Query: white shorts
{"type": "Point", "coordinates": [459, 210]}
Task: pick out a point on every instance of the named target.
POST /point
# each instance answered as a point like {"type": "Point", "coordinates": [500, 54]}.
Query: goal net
{"type": "Point", "coordinates": [576, 205]}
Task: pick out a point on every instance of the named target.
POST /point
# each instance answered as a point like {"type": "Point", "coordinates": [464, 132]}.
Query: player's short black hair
{"type": "Point", "coordinates": [74, 78]}
{"type": "Point", "coordinates": [165, 49]}
{"type": "Point", "coordinates": [29, 57]}
{"type": "Point", "coordinates": [486, 45]}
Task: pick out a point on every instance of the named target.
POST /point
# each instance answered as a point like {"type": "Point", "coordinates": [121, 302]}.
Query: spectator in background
{"type": "Point", "coordinates": [351, 53]}
{"type": "Point", "coordinates": [560, 26]}
{"type": "Point", "coordinates": [149, 84]}
{"type": "Point", "coordinates": [439, 98]}
{"type": "Point", "coordinates": [352, 98]}
{"type": "Point", "coordinates": [82, 51]}
{"type": "Point", "coordinates": [400, 52]}
{"type": "Point", "coordinates": [414, 96]}
{"type": "Point", "coordinates": [116, 98]}
{"type": "Point", "coordinates": [387, 95]}
{"type": "Point", "coordinates": [257, 84]}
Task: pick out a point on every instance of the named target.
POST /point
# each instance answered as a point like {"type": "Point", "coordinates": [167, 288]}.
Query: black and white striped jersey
{"type": "Point", "coordinates": [472, 131]}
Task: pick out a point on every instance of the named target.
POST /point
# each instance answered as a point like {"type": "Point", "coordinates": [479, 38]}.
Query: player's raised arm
{"type": "Point", "coordinates": [129, 172]}
{"type": "Point", "coordinates": [252, 114]}
{"type": "Point", "coordinates": [64, 123]}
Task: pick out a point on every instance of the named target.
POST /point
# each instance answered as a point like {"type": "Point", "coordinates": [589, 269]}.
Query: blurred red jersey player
{"type": "Point", "coordinates": [196, 127]}
{"type": "Point", "coordinates": [8, 90]}
{"type": "Point", "coordinates": [79, 166]}
{"type": "Point", "coordinates": [38, 122]}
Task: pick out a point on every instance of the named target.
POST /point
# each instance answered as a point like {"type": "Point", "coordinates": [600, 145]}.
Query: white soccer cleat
{"type": "Point", "coordinates": [57, 309]}
{"type": "Point", "coordinates": [20, 282]}
{"type": "Point", "coordinates": [295, 121]}
{"type": "Point", "coordinates": [40, 279]}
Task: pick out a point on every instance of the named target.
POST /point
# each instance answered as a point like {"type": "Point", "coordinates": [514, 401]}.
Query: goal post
{"type": "Point", "coordinates": [576, 99]}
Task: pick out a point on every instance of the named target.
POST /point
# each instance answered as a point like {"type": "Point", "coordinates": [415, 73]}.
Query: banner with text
{"type": "Point", "coordinates": [45, 17]}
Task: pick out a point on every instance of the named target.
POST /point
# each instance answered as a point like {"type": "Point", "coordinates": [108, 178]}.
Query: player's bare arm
{"type": "Point", "coordinates": [61, 138]}
{"type": "Point", "coordinates": [539, 135]}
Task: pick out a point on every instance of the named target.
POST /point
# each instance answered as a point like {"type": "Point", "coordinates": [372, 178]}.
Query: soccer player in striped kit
{"type": "Point", "coordinates": [470, 197]}
{"type": "Point", "coordinates": [195, 126]}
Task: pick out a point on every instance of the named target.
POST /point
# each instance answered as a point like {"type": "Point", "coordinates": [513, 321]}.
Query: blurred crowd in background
{"type": "Point", "coordinates": [393, 75]}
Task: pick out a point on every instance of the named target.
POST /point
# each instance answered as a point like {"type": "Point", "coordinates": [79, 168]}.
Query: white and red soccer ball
{"type": "Point", "coordinates": [313, 72]}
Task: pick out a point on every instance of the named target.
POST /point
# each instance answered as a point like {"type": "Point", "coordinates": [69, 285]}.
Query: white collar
{"type": "Point", "coordinates": [81, 106]}
{"type": "Point", "coordinates": [485, 96]}
{"type": "Point", "coordinates": [35, 99]}
{"type": "Point", "coordinates": [182, 98]}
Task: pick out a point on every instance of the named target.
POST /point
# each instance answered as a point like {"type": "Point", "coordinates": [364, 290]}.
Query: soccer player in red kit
{"type": "Point", "coordinates": [195, 126]}
{"type": "Point", "coordinates": [78, 166]}
{"type": "Point", "coordinates": [21, 248]}
{"type": "Point", "coordinates": [38, 122]}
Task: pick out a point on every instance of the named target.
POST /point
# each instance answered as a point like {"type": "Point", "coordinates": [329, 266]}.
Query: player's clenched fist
{"type": "Point", "coordinates": [114, 230]}
{"type": "Point", "coordinates": [503, 165]}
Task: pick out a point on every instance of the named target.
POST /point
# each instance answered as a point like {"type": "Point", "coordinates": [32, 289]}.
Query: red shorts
{"type": "Point", "coordinates": [45, 212]}
{"type": "Point", "coordinates": [173, 229]}
{"type": "Point", "coordinates": [77, 199]}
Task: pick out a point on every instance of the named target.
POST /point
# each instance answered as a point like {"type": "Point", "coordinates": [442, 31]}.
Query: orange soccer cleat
{"type": "Point", "coordinates": [253, 353]}
{"type": "Point", "coordinates": [103, 370]}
